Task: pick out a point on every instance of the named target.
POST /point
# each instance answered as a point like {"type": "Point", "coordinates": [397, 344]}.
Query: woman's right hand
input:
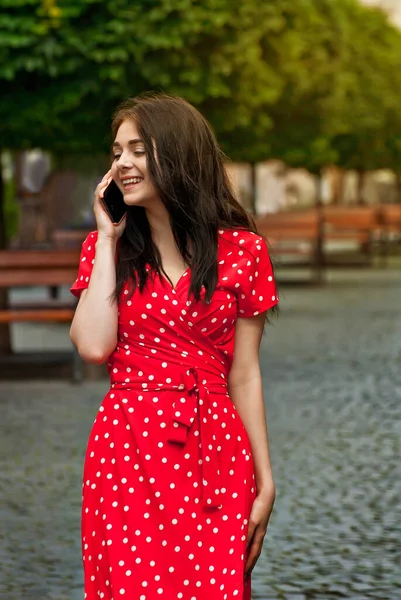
{"type": "Point", "coordinates": [105, 226]}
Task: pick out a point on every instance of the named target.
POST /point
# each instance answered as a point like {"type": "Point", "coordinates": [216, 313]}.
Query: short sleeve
{"type": "Point", "coordinates": [257, 288]}
{"type": "Point", "coordinates": [85, 267]}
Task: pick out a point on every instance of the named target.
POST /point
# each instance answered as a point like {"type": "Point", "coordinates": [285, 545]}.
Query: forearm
{"type": "Point", "coordinates": [94, 328]}
{"type": "Point", "coordinates": [247, 397]}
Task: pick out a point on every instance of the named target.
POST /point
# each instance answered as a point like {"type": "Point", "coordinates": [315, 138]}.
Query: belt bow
{"type": "Point", "coordinates": [196, 402]}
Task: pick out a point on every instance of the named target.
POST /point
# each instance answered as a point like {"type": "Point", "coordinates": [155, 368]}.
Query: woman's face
{"type": "Point", "coordinates": [129, 168]}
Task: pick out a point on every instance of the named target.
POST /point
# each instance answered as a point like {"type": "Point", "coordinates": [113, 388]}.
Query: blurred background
{"type": "Point", "coordinates": [304, 96]}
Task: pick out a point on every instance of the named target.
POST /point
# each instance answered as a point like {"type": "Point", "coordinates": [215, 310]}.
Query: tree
{"type": "Point", "coordinates": [65, 66]}
{"type": "Point", "coordinates": [336, 89]}
{"type": "Point", "coordinates": [367, 139]}
{"type": "Point", "coordinates": [78, 62]}
{"type": "Point", "coordinates": [392, 147]}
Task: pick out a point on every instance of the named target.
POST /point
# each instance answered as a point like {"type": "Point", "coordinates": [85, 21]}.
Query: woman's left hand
{"type": "Point", "coordinates": [258, 521]}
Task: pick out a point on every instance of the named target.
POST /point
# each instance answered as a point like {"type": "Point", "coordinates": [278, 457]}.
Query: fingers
{"type": "Point", "coordinates": [253, 556]}
{"type": "Point", "coordinates": [102, 185]}
{"type": "Point", "coordinates": [251, 532]}
{"type": "Point", "coordinates": [103, 188]}
{"type": "Point", "coordinates": [106, 176]}
{"type": "Point", "coordinates": [255, 549]}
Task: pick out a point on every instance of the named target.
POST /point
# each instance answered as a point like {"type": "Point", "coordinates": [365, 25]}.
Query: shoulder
{"type": "Point", "coordinates": [241, 242]}
{"type": "Point", "coordinates": [246, 269]}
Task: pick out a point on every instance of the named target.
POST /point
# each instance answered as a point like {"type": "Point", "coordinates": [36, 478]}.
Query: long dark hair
{"type": "Point", "coordinates": [191, 179]}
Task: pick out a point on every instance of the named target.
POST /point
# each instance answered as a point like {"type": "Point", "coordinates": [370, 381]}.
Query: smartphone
{"type": "Point", "coordinates": [113, 202]}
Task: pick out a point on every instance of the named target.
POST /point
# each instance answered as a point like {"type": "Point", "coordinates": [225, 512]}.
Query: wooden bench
{"type": "Point", "coordinates": [294, 234]}
{"type": "Point", "coordinates": [356, 224]}
{"type": "Point", "coordinates": [28, 268]}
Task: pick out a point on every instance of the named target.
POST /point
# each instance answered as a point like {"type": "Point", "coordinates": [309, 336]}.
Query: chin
{"type": "Point", "coordinates": [131, 200]}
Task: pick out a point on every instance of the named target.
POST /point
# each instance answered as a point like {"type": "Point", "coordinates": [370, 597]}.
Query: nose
{"type": "Point", "coordinates": [125, 161]}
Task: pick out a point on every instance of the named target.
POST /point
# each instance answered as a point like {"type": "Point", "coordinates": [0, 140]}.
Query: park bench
{"type": "Point", "coordinates": [50, 268]}
{"type": "Point", "coordinates": [313, 233]}
{"type": "Point", "coordinates": [294, 238]}
{"type": "Point", "coordinates": [356, 224]}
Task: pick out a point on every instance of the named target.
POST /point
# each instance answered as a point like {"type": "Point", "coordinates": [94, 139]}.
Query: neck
{"type": "Point", "coordinates": [159, 222]}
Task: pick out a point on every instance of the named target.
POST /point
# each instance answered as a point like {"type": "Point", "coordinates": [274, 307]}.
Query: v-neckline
{"type": "Point", "coordinates": [174, 287]}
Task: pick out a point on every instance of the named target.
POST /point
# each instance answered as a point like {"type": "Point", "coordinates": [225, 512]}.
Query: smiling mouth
{"type": "Point", "coordinates": [131, 182]}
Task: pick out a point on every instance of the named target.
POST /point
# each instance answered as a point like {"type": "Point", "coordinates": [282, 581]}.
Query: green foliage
{"type": "Point", "coordinates": [370, 83]}
{"type": "Point", "coordinates": [341, 64]}
{"type": "Point", "coordinates": [305, 50]}
{"type": "Point", "coordinates": [310, 81]}
{"type": "Point", "coordinates": [65, 75]}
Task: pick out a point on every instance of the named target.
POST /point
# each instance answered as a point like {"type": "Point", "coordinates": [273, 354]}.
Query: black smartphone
{"type": "Point", "coordinates": [113, 202]}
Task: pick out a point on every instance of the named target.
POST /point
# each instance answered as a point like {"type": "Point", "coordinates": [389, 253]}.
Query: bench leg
{"type": "Point", "coordinates": [77, 367]}
{"type": "Point", "coordinates": [54, 292]}
{"type": "Point", "coordinates": [367, 250]}
{"type": "Point", "coordinates": [319, 263]}
{"type": "Point", "coordinates": [384, 251]}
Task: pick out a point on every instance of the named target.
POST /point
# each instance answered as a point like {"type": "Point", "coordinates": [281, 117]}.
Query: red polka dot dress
{"type": "Point", "coordinates": [169, 477]}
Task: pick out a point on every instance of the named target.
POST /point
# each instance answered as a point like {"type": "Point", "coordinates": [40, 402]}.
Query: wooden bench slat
{"type": "Point", "coordinates": [390, 216]}
{"type": "Point", "coordinates": [351, 217]}
{"type": "Point", "coordinates": [59, 315]}
{"type": "Point", "coordinates": [38, 259]}
{"type": "Point", "coordinates": [358, 236]}
{"type": "Point", "coordinates": [290, 234]}
{"type": "Point", "coordinates": [32, 277]}
{"type": "Point", "coordinates": [299, 251]}
{"type": "Point", "coordinates": [42, 303]}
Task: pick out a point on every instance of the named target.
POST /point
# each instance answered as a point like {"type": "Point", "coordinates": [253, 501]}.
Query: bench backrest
{"type": "Point", "coordinates": [390, 214]}
{"type": "Point", "coordinates": [38, 267]}
{"type": "Point", "coordinates": [289, 225]}
{"type": "Point", "coordinates": [351, 218]}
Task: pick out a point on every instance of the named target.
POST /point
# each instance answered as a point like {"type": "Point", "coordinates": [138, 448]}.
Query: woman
{"type": "Point", "coordinates": [178, 487]}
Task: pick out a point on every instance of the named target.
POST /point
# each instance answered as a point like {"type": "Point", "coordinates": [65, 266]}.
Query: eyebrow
{"type": "Point", "coordinates": [130, 143]}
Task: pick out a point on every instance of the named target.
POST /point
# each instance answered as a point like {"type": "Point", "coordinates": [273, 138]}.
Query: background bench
{"type": "Point", "coordinates": [294, 239]}
{"type": "Point", "coordinates": [309, 237]}
{"type": "Point", "coordinates": [28, 268]}
{"type": "Point", "coordinates": [358, 225]}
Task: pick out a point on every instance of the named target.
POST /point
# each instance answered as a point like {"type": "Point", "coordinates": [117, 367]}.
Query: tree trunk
{"type": "Point", "coordinates": [339, 185]}
{"type": "Point", "coordinates": [361, 181]}
{"type": "Point", "coordinates": [398, 176]}
{"type": "Point", "coordinates": [5, 338]}
{"type": "Point", "coordinates": [319, 246]}
{"type": "Point", "coordinates": [253, 189]}
{"type": "Point", "coordinates": [319, 191]}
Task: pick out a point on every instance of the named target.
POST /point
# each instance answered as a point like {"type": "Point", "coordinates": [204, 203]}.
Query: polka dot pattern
{"type": "Point", "coordinates": [168, 480]}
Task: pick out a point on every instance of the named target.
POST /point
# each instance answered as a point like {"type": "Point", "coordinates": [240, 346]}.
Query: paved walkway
{"type": "Point", "coordinates": [332, 380]}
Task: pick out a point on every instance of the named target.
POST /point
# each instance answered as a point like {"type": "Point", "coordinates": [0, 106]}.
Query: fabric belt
{"type": "Point", "coordinates": [197, 401]}
{"type": "Point", "coordinates": [194, 402]}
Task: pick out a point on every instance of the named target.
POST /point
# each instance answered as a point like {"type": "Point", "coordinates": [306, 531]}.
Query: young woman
{"type": "Point", "coordinates": [178, 487]}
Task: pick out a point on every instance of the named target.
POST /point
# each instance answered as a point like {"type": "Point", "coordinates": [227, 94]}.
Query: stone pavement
{"type": "Point", "coordinates": [332, 380]}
